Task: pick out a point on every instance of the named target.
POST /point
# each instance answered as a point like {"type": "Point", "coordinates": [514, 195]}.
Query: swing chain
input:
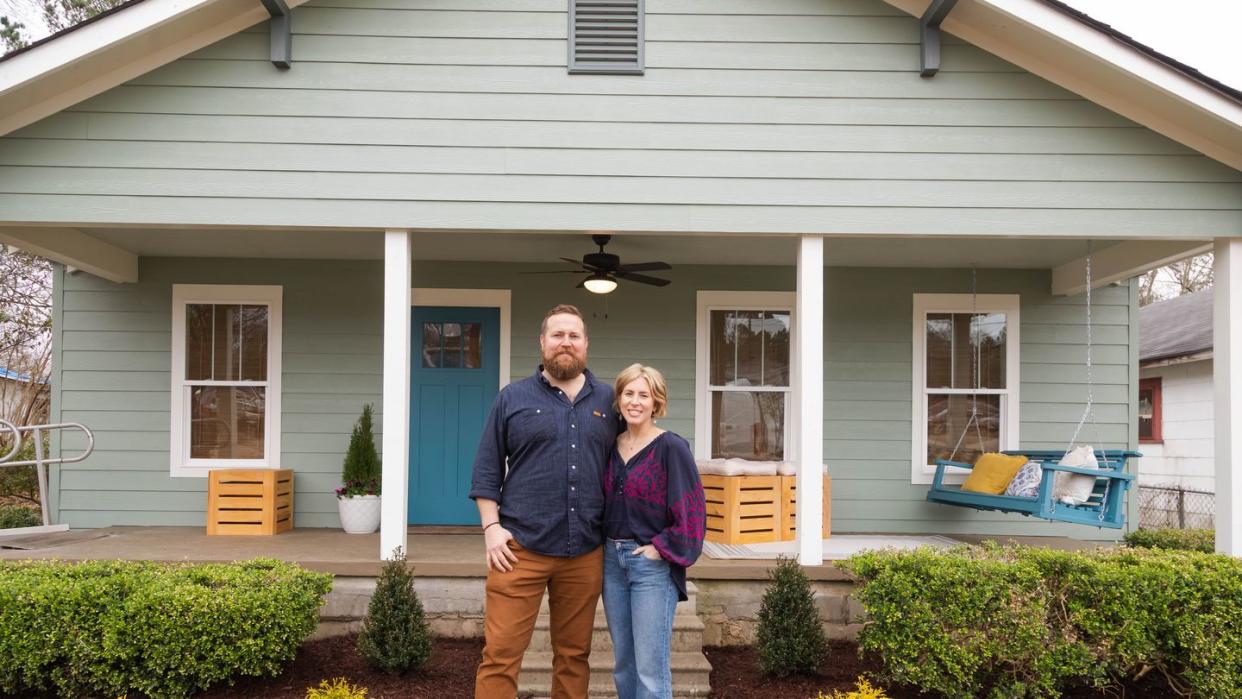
{"type": "Point", "coordinates": [977, 363]}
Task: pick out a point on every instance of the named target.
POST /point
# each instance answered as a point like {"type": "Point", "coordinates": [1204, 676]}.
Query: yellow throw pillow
{"type": "Point", "coordinates": [992, 473]}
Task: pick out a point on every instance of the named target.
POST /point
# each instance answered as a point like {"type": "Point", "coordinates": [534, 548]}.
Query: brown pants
{"type": "Point", "coordinates": [513, 599]}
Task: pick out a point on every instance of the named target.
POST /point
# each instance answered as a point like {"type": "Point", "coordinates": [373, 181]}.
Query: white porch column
{"type": "Point", "coordinates": [1227, 370]}
{"type": "Point", "coordinates": [809, 399]}
{"type": "Point", "coordinates": [396, 441]}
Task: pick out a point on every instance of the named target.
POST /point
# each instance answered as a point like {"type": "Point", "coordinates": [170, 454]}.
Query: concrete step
{"type": "Point", "coordinates": [687, 633]}
{"type": "Point", "coordinates": [691, 673]}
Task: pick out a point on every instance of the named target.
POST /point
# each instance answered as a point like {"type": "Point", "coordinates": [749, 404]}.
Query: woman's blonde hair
{"type": "Point", "coordinates": [655, 380]}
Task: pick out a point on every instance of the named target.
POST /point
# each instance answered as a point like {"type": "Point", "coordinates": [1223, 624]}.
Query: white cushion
{"type": "Point", "coordinates": [1075, 488]}
{"type": "Point", "coordinates": [790, 468]}
{"type": "Point", "coordinates": [737, 467]}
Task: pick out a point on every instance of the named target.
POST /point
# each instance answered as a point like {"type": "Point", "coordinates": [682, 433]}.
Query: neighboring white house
{"type": "Point", "coordinates": [1175, 393]}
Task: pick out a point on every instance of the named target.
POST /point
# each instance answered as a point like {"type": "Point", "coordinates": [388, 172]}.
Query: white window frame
{"type": "Point", "coordinates": [708, 301]}
{"type": "Point", "coordinates": [1009, 304]}
{"type": "Point", "coordinates": [181, 464]}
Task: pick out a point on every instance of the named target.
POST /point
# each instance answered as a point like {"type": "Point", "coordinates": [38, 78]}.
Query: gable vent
{"type": "Point", "coordinates": [606, 36]}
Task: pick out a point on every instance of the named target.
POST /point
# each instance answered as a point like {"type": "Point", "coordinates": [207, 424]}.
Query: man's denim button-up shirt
{"type": "Point", "coordinates": [552, 494]}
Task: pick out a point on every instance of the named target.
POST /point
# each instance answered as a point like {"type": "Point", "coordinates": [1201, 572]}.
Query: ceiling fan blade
{"type": "Point", "coordinates": [644, 267]}
{"type": "Point", "coordinates": [556, 271]}
{"type": "Point", "coordinates": [642, 279]}
{"type": "Point", "coordinates": [584, 266]}
{"type": "Point", "coordinates": [581, 284]}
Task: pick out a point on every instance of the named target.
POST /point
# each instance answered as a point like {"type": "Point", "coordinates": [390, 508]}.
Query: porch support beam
{"type": "Point", "coordinates": [1121, 262]}
{"type": "Point", "coordinates": [73, 248]}
{"type": "Point", "coordinates": [1227, 376]}
{"type": "Point", "coordinates": [809, 398]}
{"type": "Point", "coordinates": [396, 420]}
{"type": "Point", "coordinates": [929, 36]}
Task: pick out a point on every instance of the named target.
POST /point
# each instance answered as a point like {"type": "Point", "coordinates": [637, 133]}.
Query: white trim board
{"type": "Point", "coordinates": [475, 298]}
{"type": "Point", "coordinates": [1009, 304]}
{"type": "Point", "coordinates": [180, 463]}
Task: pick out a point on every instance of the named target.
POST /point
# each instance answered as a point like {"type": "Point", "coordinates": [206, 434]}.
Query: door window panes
{"type": "Point", "coordinates": [452, 346]}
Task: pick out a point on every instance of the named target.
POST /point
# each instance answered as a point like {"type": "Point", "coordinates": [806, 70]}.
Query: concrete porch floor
{"type": "Point", "coordinates": [435, 552]}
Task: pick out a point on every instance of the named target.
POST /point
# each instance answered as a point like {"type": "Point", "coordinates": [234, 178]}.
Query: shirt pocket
{"type": "Point", "coordinates": [531, 425]}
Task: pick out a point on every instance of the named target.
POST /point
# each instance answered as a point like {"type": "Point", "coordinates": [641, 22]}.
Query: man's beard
{"type": "Point", "coordinates": [564, 366]}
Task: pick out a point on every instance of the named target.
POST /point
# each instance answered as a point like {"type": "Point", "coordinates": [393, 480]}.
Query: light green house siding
{"type": "Point", "coordinates": [114, 374]}
{"type": "Point", "coordinates": [775, 116]}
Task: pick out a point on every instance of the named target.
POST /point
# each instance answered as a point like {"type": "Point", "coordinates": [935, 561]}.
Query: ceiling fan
{"type": "Point", "coordinates": [603, 269]}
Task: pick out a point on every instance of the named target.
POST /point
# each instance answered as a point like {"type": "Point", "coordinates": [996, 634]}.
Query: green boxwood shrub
{"type": "Point", "coordinates": [1029, 622]}
{"type": "Point", "coordinates": [789, 635]}
{"type": "Point", "coordinates": [13, 516]}
{"type": "Point", "coordinates": [1202, 540]}
{"type": "Point", "coordinates": [108, 628]}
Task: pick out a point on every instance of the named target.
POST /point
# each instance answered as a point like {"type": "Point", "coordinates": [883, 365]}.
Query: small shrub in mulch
{"type": "Point", "coordinates": [790, 638]}
{"type": "Point", "coordinates": [395, 637]}
{"type": "Point", "coordinates": [337, 688]}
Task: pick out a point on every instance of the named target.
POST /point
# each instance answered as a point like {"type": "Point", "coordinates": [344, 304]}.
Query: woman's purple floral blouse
{"type": "Point", "coordinates": [657, 498]}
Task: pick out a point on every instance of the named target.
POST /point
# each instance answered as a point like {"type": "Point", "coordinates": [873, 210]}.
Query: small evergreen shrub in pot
{"type": "Point", "coordinates": [110, 628]}
{"type": "Point", "coordinates": [790, 637]}
{"type": "Point", "coordinates": [395, 637]}
{"type": "Point", "coordinates": [358, 501]}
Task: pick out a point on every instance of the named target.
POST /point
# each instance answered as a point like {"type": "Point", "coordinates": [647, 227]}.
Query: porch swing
{"type": "Point", "coordinates": [1105, 505]}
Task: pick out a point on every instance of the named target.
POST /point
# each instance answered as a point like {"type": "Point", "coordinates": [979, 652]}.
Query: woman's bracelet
{"type": "Point", "coordinates": [492, 524]}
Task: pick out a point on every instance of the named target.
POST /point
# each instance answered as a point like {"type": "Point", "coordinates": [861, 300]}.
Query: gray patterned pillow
{"type": "Point", "coordinates": [1026, 483]}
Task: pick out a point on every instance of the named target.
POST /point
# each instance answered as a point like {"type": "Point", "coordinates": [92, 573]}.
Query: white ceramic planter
{"type": "Point", "coordinates": [360, 514]}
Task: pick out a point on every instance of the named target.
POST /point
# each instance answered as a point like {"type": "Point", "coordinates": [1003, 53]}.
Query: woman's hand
{"type": "Point", "coordinates": [649, 552]}
{"type": "Point", "coordinates": [499, 557]}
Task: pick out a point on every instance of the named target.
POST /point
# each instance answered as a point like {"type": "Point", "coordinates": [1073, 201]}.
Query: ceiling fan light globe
{"type": "Point", "coordinates": [600, 284]}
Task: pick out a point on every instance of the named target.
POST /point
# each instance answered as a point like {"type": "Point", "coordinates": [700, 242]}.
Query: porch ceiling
{"type": "Point", "coordinates": [481, 246]}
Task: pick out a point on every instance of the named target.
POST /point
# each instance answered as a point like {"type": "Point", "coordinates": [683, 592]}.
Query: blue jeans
{"type": "Point", "coordinates": [639, 601]}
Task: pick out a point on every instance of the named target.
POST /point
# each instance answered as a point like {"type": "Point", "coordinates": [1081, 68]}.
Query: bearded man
{"type": "Point", "coordinates": [538, 483]}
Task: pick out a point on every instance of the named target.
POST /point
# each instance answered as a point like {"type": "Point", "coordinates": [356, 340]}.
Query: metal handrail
{"type": "Point", "coordinates": [41, 462]}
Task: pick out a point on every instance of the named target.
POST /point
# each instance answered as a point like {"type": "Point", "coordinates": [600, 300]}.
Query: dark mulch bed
{"type": "Point", "coordinates": [736, 675]}
{"type": "Point", "coordinates": [450, 673]}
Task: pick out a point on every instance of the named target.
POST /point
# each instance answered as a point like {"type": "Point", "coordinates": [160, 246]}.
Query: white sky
{"type": "Point", "coordinates": [1199, 33]}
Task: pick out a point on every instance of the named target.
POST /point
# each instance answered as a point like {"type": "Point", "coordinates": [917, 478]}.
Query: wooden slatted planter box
{"type": "Point", "coordinates": [742, 509]}
{"type": "Point", "coordinates": [249, 502]}
{"type": "Point", "coordinates": [789, 507]}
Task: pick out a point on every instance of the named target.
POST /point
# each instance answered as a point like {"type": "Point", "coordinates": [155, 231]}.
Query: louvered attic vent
{"type": "Point", "coordinates": [606, 36]}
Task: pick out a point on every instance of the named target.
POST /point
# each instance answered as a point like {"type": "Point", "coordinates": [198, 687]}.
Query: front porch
{"type": "Point", "coordinates": [853, 398]}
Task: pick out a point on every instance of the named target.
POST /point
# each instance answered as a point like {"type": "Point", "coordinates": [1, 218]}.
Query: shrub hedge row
{"type": "Point", "coordinates": [1027, 622]}
{"type": "Point", "coordinates": [108, 628]}
{"type": "Point", "coordinates": [1202, 540]}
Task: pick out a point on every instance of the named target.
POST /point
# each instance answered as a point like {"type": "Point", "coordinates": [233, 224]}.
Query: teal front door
{"type": "Point", "coordinates": [453, 378]}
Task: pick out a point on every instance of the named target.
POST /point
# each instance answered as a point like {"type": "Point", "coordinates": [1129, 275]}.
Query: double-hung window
{"type": "Point", "coordinates": [965, 390]}
{"type": "Point", "coordinates": [225, 378]}
{"type": "Point", "coordinates": [745, 363]}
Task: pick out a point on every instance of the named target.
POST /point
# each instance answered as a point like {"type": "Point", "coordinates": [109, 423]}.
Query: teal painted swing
{"type": "Point", "coordinates": [1105, 507]}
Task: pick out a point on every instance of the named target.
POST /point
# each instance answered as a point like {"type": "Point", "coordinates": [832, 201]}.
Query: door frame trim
{"type": "Point", "coordinates": [473, 298]}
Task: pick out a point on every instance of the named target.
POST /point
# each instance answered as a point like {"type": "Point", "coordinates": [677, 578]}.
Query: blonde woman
{"type": "Point", "coordinates": [654, 523]}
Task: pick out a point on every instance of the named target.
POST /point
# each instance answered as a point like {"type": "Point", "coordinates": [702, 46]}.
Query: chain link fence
{"type": "Point", "coordinates": [1176, 508]}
